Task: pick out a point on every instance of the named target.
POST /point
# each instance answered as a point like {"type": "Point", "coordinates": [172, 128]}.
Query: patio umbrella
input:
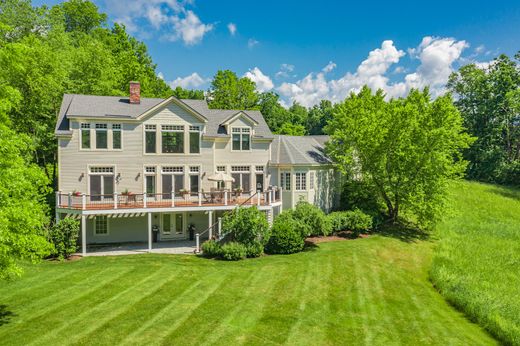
{"type": "Point", "coordinates": [221, 176]}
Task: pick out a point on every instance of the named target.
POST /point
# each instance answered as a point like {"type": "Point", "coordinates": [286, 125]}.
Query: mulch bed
{"type": "Point", "coordinates": [344, 235]}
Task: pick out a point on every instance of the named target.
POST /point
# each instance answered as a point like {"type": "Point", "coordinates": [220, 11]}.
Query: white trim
{"type": "Point", "coordinates": [232, 118]}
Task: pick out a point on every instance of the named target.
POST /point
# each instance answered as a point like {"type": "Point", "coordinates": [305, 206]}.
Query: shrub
{"type": "Point", "coordinates": [352, 220]}
{"type": "Point", "coordinates": [64, 237]}
{"type": "Point", "coordinates": [233, 251]}
{"type": "Point", "coordinates": [358, 194]}
{"type": "Point", "coordinates": [211, 249]}
{"type": "Point", "coordinates": [246, 226]}
{"type": "Point", "coordinates": [313, 218]}
{"type": "Point", "coordinates": [287, 235]}
{"type": "Point", "coordinates": [254, 250]}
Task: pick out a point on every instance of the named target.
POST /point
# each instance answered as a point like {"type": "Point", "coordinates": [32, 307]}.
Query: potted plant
{"type": "Point", "coordinates": [126, 193]}
{"type": "Point", "coordinates": [76, 193]}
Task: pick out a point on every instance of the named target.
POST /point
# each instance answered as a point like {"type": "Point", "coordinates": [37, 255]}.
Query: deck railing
{"type": "Point", "coordinates": [80, 201]}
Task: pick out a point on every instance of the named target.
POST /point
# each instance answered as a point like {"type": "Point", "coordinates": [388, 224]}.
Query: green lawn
{"type": "Point", "coordinates": [477, 263]}
{"type": "Point", "coordinates": [371, 291]}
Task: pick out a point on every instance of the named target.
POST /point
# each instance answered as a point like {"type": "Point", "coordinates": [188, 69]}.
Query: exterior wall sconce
{"type": "Point", "coordinates": [137, 176]}
{"type": "Point", "coordinates": [118, 177]}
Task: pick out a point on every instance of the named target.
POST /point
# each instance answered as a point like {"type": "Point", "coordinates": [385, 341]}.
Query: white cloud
{"type": "Point", "coordinates": [330, 66]}
{"type": "Point", "coordinates": [263, 82]}
{"type": "Point", "coordinates": [169, 17]}
{"type": "Point", "coordinates": [232, 27]}
{"type": "Point", "coordinates": [190, 29]}
{"type": "Point", "coordinates": [436, 56]}
{"type": "Point", "coordinates": [251, 43]}
{"type": "Point", "coordinates": [160, 75]}
{"type": "Point", "coordinates": [285, 71]}
{"type": "Point", "coordinates": [192, 81]}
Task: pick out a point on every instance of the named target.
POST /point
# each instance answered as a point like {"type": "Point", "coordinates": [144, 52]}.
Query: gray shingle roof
{"type": "Point", "coordinates": [217, 116]}
{"type": "Point", "coordinates": [119, 107]}
{"type": "Point", "coordinates": [299, 150]}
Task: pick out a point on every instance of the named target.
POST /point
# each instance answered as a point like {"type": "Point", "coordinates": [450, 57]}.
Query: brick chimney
{"type": "Point", "coordinates": [135, 93]}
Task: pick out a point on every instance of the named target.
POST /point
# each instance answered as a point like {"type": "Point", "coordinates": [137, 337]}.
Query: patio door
{"type": "Point", "coordinates": [101, 187]}
{"type": "Point", "coordinates": [172, 182]}
{"type": "Point", "coordinates": [173, 226]}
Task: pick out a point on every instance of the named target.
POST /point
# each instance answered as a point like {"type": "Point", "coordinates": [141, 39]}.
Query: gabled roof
{"type": "Point", "coordinates": [117, 107]}
{"type": "Point", "coordinates": [232, 118]}
{"type": "Point", "coordinates": [299, 150]}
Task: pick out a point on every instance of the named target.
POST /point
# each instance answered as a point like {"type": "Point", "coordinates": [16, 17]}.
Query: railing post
{"type": "Point", "coordinates": [270, 196]}
{"type": "Point", "coordinates": [173, 199]}
{"type": "Point", "coordinates": [57, 201]}
{"type": "Point", "coordinates": [69, 202]}
{"type": "Point", "coordinates": [258, 196]}
{"type": "Point", "coordinates": [197, 243]}
{"type": "Point", "coordinates": [200, 198]}
{"type": "Point", "coordinates": [225, 197]}
{"type": "Point", "coordinates": [145, 200]}
{"type": "Point", "coordinates": [84, 202]}
{"type": "Point", "coordinates": [115, 200]}
{"type": "Point", "coordinates": [219, 230]}
{"type": "Point", "coordinates": [280, 191]}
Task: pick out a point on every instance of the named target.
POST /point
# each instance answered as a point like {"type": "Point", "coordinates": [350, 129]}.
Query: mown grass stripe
{"type": "Point", "coordinates": [102, 311]}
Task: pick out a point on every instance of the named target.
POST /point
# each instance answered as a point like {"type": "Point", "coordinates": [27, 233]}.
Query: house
{"type": "Point", "coordinates": [131, 166]}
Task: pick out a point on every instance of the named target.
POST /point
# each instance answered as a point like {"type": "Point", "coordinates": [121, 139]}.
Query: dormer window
{"type": "Point", "coordinates": [241, 138]}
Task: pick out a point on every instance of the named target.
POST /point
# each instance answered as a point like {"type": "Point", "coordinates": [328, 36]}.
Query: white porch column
{"type": "Point", "coordinates": [83, 235]}
{"type": "Point", "coordinates": [149, 232]}
{"type": "Point", "coordinates": [210, 222]}
{"type": "Point", "coordinates": [219, 227]}
{"type": "Point", "coordinates": [281, 198]}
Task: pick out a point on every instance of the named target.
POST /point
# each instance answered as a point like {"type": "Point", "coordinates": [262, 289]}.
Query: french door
{"type": "Point", "coordinates": [101, 187]}
{"type": "Point", "coordinates": [172, 182]}
{"type": "Point", "coordinates": [173, 226]}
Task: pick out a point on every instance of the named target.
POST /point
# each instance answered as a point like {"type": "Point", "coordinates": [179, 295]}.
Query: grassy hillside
{"type": "Point", "coordinates": [477, 263]}
{"type": "Point", "coordinates": [372, 291]}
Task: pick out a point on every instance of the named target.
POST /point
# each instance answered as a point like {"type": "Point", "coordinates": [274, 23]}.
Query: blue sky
{"type": "Point", "coordinates": [306, 51]}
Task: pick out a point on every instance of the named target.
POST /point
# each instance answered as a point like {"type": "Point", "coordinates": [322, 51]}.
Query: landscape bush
{"type": "Point", "coordinates": [211, 249]}
{"type": "Point", "coordinates": [246, 226]}
{"type": "Point", "coordinates": [64, 236]}
{"type": "Point", "coordinates": [233, 251]}
{"type": "Point", "coordinates": [254, 250]}
{"type": "Point", "coordinates": [350, 220]}
{"type": "Point", "coordinates": [287, 235]}
{"type": "Point", "coordinates": [314, 220]}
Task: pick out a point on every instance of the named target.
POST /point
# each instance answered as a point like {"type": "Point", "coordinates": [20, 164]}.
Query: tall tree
{"type": "Point", "coordinates": [487, 99]}
{"type": "Point", "coordinates": [407, 149]}
{"type": "Point", "coordinates": [318, 117]}
{"type": "Point", "coordinates": [23, 186]}
{"type": "Point", "coordinates": [230, 92]}
{"type": "Point", "coordinates": [274, 113]}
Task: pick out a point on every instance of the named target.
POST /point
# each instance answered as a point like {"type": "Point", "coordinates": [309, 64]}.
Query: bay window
{"type": "Point", "coordinates": [300, 181]}
{"type": "Point", "coordinates": [285, 180]}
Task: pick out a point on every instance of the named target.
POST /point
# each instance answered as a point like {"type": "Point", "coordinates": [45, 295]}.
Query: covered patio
{"type": "Point", "coordinates": [177, 247]}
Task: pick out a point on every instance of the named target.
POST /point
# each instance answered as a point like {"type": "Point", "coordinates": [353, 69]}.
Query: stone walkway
{"type": "Point", "coordinates": [184, 247]}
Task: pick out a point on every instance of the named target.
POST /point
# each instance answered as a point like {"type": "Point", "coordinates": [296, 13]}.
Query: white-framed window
{"type": "Point", "coordinates": [150, 138]}
{"type": "Point", "coordinates": [311, 180]}
{"type": "Point", "coordinates": [242, 177]}
{"type": "Point", "coordinates": [150, 180]}
{"type": "Point", "coordinates": [117, 136]}
{"type": "Point", "coordinates": [241, 138]}
{"type": "Point", "coordinates": [300, 181]}
{"type": "Point", "coordinates": [101, 225]}
{"type": "Point", "coordinates": [194, 179]}
{"type": "Point", "coordinates": [101, 136]}
{"type": "Point", "coordinates": [221, 168]}
{"type": "Point", "coordinates": [259, 168]}
{"type": "Point", "coordinates": [172, 137]}
{"type": "Point", "coordinates": [85, 135]}
{"type": "Point", "coordinates": [285, 180]}
{"type": "Point", "coordinates": [194, 139]}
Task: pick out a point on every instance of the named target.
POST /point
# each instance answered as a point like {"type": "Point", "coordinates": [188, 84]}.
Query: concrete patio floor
{"type": "Point", "coordinates": [184, 247]}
